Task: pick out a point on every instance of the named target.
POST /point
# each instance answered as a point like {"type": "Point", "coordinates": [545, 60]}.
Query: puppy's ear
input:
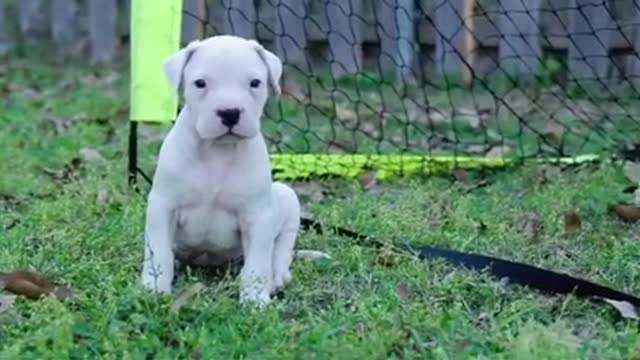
{"type": "Point", "coordinates": [174, 65]}
{"type": "Point", "coordinates": [273, 64]}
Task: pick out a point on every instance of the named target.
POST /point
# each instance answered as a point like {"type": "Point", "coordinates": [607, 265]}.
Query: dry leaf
{"type": "Point", "coordinates": [572, 222]}
{"type": "Point", "coordinates": [67, 173]}
{"type": "Point", "coordinates": [368, 179]}
{"type": "Point", "coordinates": [626, 212]}
{"type": "Point", "coordinates": [186, 295]}
{"type": "Point", "coordinates": [387, 257]}
{"type": "Point", "coordinates": [498, 152]}
{"type": "Point", "coordinates": [533, 226]}
{"type": "Point", "coordinates": [90, 155]}
{"type": "Point", "coordinates": [625, 308]}
{"type": "Point", "coordinates": [336, 147]}
{"type": "Point", "coordinates": [33, 286]}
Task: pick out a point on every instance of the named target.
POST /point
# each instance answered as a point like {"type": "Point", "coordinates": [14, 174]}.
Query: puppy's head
{"type": "Point", "coordinates": [225, 81]}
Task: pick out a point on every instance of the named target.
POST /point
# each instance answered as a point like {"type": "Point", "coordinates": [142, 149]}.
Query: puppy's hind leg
{"type": "Point", "coordinates": [289, 210]}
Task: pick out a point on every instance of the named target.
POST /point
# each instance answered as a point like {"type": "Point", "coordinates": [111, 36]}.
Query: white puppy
{"type": "Point", "coordinates": [213, 199]}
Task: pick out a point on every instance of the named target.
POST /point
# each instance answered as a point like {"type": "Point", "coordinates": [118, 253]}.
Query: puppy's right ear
{"type": "Point", "coordinates": [174, 65]}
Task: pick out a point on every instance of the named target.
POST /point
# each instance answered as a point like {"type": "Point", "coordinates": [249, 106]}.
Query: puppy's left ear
{"type": "Point", "coordinates": [175, 64]}
{"type": "Point", "coordinates": [273, 64]}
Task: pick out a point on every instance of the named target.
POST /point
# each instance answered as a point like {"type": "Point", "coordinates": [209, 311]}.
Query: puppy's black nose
{"type": "Point", "coordinates": [229, 117]}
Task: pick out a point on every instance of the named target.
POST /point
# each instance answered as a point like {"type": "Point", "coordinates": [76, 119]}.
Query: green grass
{"type": "Point", "coordinates": [363, 305]}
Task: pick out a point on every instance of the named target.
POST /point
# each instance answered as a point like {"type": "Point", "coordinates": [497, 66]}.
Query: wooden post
{"type": "Point", "coordinates": [519, 50]}
{"type": "Point", "coordinates": [102, 30]}
{"type": "Point", "coordinates": [240, 18]}
{"type": "Point", "coordinates": [344, 36]}
{"type": "Point", "coordinates": [193, 20]}
{"type": "Point", "coordinates": [589, 41]}
{"type": "Point", "coordinates": [64, 16]}
{"type": "Point", "coordinates": [5, 43]}
{"type": "Point", "coordinates": [31, 19]}
{"type": "Point", "coordinates": [395, 29]}
{"type": "Point", "coordinates": [449, 22]}
{"type": "Point", "coordinates": [290, 34]}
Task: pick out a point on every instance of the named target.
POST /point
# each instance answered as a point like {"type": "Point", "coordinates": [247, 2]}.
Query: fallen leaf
{"type": "Point", "coordinates": [498, 152]}
{"type": "Point", "coordinates": [625, 308]}
{"type": "Point", "coordinates": [626, 212]}
{"type": "Point", "coordinates": [90, 155]}
{"type": "Point", "coordinates": [103, 198]}
{"type": "Point", "coordinates": [533, 226]}
{"type": "Point", "coordinates": [310, 191]}
{"type": "Point", "coordinates": [33, 285]}
{"type": "Point", "coordinates": [368, 179]}
{"type": "Point", "coordinates": [68, 172]}
{"type": "Point", "coordinates": [336, 147]}
{"type": "Point", "coordinates": [186, 296]}
{"type": "Point", "coordinates": [572, 221]}
{"type": "Point", "coordinates": [387, 257]}
{"type": "Point", "coordinates": [632, 171]}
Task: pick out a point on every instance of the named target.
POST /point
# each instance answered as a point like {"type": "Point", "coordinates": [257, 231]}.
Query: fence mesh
{"type": "Point", "coordinates": [513, 78]}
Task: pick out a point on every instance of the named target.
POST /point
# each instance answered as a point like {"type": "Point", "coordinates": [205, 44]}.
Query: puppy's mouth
{"type": "Point", "coordinates": [230, 135]}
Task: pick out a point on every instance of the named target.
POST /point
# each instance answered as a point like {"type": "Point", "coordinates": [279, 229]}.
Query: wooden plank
{"type": "Point", "coordinates": [194, 20]}
{"type": "Point", "coordinates": [394, 26]}
{"type": "Point", "coordinates": [344, 36]}
{"type": "Point", "coordinates": [634, 58]}
{"type": "Point", "coordinates": [449, 41]}
{"type": "Point", "coordinates": [64, 22]}
{"type": "Point", "coordinates": [102, 30]}
{"type": "Point", "coordinates": [5, 42]}
{"type": "Point", "coordinates": [31, 19]}
{"type": "Point", "coordinates": [588, 49]}
{"type": "Point", "coordinates": [240, 18]}
{"type": "Point", "coordinates": [290, 33]}
{"type": "Point", "coordinates": [519, 50]}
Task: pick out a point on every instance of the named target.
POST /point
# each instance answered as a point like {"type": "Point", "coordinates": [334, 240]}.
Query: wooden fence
{"type": "Point", "coordinates": [597, 38]}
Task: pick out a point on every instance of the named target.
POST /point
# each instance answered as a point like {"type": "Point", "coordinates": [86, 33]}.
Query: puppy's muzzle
{"type": "Point", "coordinates": [229, 117]}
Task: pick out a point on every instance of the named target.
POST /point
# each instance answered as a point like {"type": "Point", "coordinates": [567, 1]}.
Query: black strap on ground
{"type": "Point", "coordinates": [545, 281]}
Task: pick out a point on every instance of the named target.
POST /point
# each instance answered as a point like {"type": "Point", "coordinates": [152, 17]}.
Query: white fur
{"type": "Point", "coordinates": [213, 199]}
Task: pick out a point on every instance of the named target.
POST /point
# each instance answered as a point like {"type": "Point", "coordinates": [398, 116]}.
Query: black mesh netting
{"type": "Point", "coordinates": [521, 78]}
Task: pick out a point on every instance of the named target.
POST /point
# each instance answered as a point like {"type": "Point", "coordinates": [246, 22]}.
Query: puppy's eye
{"type": "Point", "coordinates": [254, 83]}
{"type": "Point", "coordinates": [200, 83]}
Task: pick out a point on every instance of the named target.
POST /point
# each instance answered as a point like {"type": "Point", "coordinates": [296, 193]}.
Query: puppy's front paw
{"type": "Point", "coordinates": [156, 284]}
{"type": "Point", "coordinates": [260, 299]}
{"type": "Point", "coordinates": [281, 277]}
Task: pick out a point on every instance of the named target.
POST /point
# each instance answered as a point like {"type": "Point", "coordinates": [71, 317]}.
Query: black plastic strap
{"type": "Point", "coordinates": [545, 281]}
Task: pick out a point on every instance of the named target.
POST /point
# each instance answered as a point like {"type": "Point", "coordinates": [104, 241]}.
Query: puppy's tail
{"type": "Point", "coordinates": [312, 255]}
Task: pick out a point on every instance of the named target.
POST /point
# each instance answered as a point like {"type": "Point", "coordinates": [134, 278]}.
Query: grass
{"type": "Point", "coordinates": [365, 304]}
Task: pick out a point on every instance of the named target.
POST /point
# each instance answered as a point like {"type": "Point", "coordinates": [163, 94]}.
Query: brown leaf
{"type": "Point", "coordinates": [186, 295]}
{"type": "Point", "coordinates": [387, 257]}
{"type": "Point", "coordinates": [310, 191]}
{"type": "Point", "coordinates": [498, 152]}
{"type": "Point", "coordinates": [337, 147]}
{"type": "Point", "coordinates": [69, 171]}
{"type": "Point", "coordinates": [626, 212]}
{"type": "Point", "coordinates": [368, 179]}
{"type": "Point", "coordinates": [533, 226]}
{"type": "Point", "coordinates": [33, 286]}
{"type": "Point", "coordinates": [572, 222]}
{"type": "Point", "coordinates": [625, 308]}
